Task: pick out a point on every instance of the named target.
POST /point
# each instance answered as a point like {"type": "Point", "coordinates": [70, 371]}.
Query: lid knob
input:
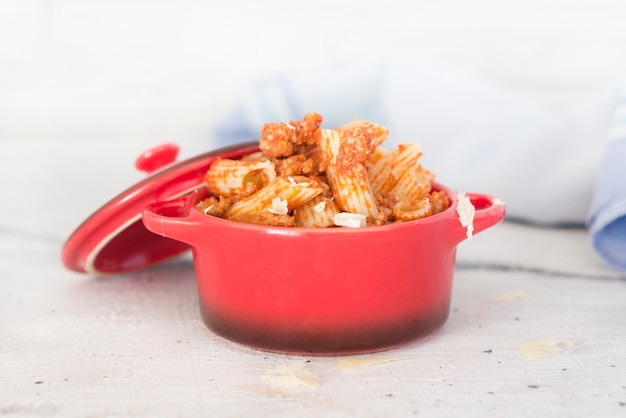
{"type": "Point", "coordinates": [157, 157]}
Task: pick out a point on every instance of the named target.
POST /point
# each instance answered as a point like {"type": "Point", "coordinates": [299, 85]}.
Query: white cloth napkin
{"type": "Point", "coordinates": [477, 136]}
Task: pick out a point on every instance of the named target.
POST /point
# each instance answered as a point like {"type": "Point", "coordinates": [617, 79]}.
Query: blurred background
{"type": "Point", "coordinates": [86, 85]}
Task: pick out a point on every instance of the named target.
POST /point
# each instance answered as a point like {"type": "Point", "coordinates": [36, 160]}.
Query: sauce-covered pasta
{"type": "Point", "coordinates": [308, 176]}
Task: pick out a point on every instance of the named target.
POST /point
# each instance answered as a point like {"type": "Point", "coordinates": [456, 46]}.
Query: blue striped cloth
{"type": "Point", "coordinates": [607, 216]}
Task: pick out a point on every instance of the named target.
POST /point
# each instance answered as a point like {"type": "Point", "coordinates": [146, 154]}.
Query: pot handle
{"type": "Point", "coordinates": [171, 219]}
{"type": "Point", "coordinates": [489, 211]}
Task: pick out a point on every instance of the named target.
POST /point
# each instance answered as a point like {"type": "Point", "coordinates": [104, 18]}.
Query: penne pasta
{"type": "Point", "coordinates": [410, 211]}
{"type": "Point", "coordinates": [317, 212]}
{"type": "Point", "coordinates": [310, 177]}
{"type": "Point", "coordinates": [279, 197]}
{"type": "Point", "coordinates": [329, 141]}
{"type": "Point", "coordinates": [233, 177]}
{"type": "Point", "coordinates": [387, 171]}
{"type": "Point", "coordinates": [347, 176]}
{"type": "Point", "coordinates": [380, 132]}
{"type": "Point", "coordinates": [439, 202]}
{"type": "Point", "coordinates": [379, 153]}
{"type": "Point", "coordinates": [413, 185]}
{"type": "Point", "coordinates": [253, 156]}
{"type": "Point", "coordinates": [352, 193]}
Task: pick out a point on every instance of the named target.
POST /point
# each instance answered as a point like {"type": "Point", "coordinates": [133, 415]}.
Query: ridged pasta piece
{"type": "Point", "coordinates": [311, 177]}
{"type": "Point", "coordinates": [253, 156]}
{"type": "Point", "coordinates": [385, 173]}
{"type": "Point", "coordinates": [328, 141]}
{"type": "Point", "coordinates": [413, 185]}
{"type": "Point", "coordinates": [279, 197]}
{"type": "Point", "coordinates": [317, 212]}
{"type": "Point", "coordinates": [235, 177]}
{"type": "Point", "coordinates": [379, 153]}
{"type": "Point", "coordinates": [410, 211]}
{"type": "Point", "coordinates": [347, 179]}
{"type": "Point", "coordinates": [352, 193]}
{"type": "Point", "coordinates": [381, 132]}
{"type": "Point", "coordinates": [439, 202]}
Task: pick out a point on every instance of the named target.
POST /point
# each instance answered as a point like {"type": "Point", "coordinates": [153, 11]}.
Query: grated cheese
{"type": "Point", "coordinates": [279, 206]}
{"type": "Point", "coordinates": [349, 220]}
{"type": "Point", "coordinates": [354, 364]}
{"type": "Point", "coordinates": [319, 208]}
{"type": "Point", "coordinates": [292, 375]}
{"type": "Point", "coordinates": [549, 347]}
{"type": "Point", "coordinates": [466, 212]}
{"type": "Point", "coordinates": [510, 296]}
{"type": "Point", "coordinates": [301, 184]}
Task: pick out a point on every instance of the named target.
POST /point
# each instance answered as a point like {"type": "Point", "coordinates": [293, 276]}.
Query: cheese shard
{"type": "Point", "coordinates": [466, 211]}
{"type": "Point", "coordinates": [354, 364]}
{"type": "Point", "coordinates": [292, 375]}
{"type": "Point", "coordinates": [279, 206]}
{"type": "Point", "coordinates": [319, 208]}
{"type": "Point", "coordinates": [350, 220]}
{"type": "Point", "coordinates": [545, 348]}
{"type": "Point", "coordinates": [510, 296]}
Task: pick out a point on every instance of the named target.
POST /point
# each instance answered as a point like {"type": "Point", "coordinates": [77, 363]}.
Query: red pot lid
{"type": "Point", "coordinates": [114, 240]}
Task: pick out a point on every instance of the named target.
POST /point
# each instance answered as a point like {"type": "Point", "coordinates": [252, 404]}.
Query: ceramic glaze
{"type": "Point", "coordinates": [325, 291]}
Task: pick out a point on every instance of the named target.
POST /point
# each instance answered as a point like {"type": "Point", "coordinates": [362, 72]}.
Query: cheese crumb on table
{"type": "Point", "coordinates": [354, 364]}
{"type": "Point", "coordinates": [548, 347]}
{"type": "Point", "coordinates": [292, 375]}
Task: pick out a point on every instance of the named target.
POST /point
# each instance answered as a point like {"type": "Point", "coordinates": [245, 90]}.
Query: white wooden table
{"type": "Point", "coordinates": [537, 321]}
{"type": "Point", "coordinates": [527, 336]}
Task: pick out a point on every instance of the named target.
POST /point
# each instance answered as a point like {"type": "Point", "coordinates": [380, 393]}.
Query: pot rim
{"type": "Point", "coordinates": [177, 219]}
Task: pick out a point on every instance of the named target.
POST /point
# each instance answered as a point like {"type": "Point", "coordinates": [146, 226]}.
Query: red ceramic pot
{"type": "Point", "coordinates": [325, 291]}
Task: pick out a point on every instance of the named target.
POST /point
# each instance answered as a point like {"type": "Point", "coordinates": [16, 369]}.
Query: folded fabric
{"type": "Point", "coordinates": [477, 136]}
{"type": "Point", "coordinates": [607, 217]}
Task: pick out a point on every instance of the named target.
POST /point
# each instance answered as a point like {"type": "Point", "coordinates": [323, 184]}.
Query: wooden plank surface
{"type": "Point", "coordinates": [135, 345]}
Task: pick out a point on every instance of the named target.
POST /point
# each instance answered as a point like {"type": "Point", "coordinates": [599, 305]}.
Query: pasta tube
{"type": "Point", "coordinates": [413, 185]}
{"type": "Point", "coordinates": [307, 176]}
{"type": "Point", "coordinates": [234, 177]}
{"type": "Point", "coordinates": [346, 172]}
{"type": "Point", "coordinates": [317, 212]}
{"type": "Point", "coordinates": [279, 197]}
{"type": "Point", "coordinates": [410, 211]}
{"type": "Point", "coordinates": [379, 153]}
{"type": "Point", "coordinates": [398, 171]}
